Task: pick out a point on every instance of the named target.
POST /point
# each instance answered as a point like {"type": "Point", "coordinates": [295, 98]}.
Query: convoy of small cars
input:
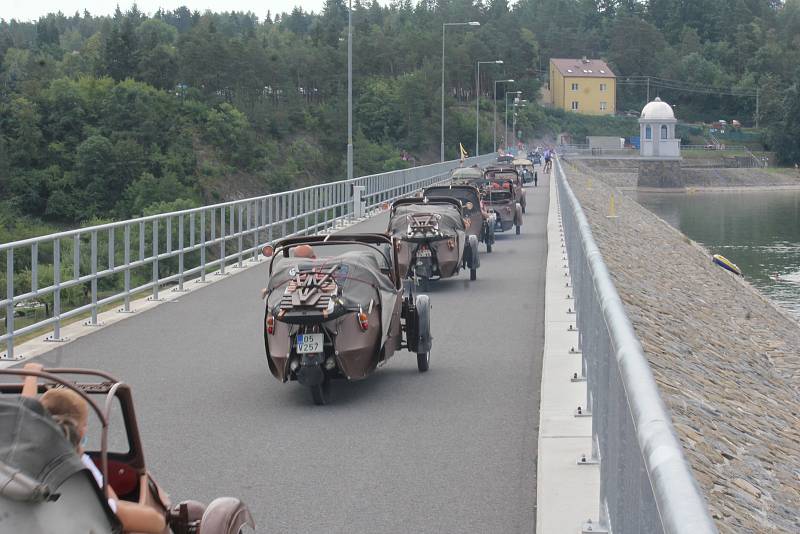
{"type": "Point", "coordinates": [337, 306]}
{"type": "Point", "coordinates": [340, 305]}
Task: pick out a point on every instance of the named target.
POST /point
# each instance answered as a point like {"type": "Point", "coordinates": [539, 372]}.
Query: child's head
{"type": "Point", "coordinates": [70, 411]}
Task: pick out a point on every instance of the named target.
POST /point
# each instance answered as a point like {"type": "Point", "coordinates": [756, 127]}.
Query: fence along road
{"type": "Point", "coordinates": [451, 450]}
{"type": "Point", "coordinates": [175, 247]}
{"type": "Point", "coordinates": [646, 484]}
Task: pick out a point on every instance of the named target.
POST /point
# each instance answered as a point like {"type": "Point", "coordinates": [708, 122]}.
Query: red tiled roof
{"type": "Point", "coordinates": [590, 68]}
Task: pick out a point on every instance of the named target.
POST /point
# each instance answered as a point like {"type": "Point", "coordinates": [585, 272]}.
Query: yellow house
{"type": "Point", "coordinates": [583, 86]}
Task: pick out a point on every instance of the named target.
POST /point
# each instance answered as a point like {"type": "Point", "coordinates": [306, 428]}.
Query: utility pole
{"type": "Point", "coordinates": [350, 90]}
{"type": "Point", "coordinates": [756, 106]}
{"type": "Point", "coordinates": [505, 106]}
{"type": "Point", "coordinates": [494, 129]}
{"type": "Point", "coordinates": [478, 103]}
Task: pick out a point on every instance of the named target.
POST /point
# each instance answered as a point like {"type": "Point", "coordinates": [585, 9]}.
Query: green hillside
{"type": "Point", "coordinates": [110, 117]}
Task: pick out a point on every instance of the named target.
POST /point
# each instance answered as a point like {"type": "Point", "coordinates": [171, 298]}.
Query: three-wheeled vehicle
{"type": "Point", "coordinates": [500, 202]}
{"type": "Point", "coordinates": [478, 221]}
{"type": "Point", "coordinates": [466, 174]}
{"type": "Point", "coordinates": [525, 169]}
{"type": "Point", "coordinates": [336, 308]}
{"type": "Point", "coordinates": [431, 239]}
{"type": "Point", "coordinates": [44, 485]}
{"type": "Point", "coordinates": [535, 157]}
{"type": "Point", "coordinates": [504, 173]}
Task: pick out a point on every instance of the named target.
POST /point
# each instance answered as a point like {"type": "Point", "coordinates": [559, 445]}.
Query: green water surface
{"type": "Point", "coordinates": [757, 230]}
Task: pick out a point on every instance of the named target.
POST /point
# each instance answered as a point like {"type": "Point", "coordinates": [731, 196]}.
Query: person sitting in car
{"type": "Point", "coordinates": [305, 251]}
{"type": "Point", "coordinates": [71, 413]}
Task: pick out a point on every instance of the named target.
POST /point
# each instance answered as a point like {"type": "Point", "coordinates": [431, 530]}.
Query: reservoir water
{"type": "Point", "coordinates": [757, 230]}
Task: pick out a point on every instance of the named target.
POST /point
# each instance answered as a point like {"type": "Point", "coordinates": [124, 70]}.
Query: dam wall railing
{"type": "Point", "coordinates": [646, 483]}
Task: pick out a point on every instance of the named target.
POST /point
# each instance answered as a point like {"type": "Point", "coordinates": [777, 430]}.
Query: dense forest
{"type": "Point", "coordinates": [115, 116]}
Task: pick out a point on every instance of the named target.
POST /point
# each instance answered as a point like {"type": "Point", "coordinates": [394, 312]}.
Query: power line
{"type": "Point", "coordinates": [676, 85]}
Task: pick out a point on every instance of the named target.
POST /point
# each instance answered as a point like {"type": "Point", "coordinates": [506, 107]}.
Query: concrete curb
{"type": "Point", "coordinates": [567, 492]}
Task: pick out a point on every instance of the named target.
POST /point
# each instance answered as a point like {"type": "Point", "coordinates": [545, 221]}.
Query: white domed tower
{"type": "Point", "coordinates": [657, 130]}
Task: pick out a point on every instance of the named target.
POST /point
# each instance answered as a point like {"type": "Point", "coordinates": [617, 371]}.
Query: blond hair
{"type": "Point", "coordinates": [69, 410]}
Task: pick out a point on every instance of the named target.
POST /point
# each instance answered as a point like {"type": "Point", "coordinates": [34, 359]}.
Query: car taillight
{"type": "Point", "coordinates": [508, 209]}
{"type": "Point", "coordinates": [363, 321]}
{"type": "Point", "coordinates": [451, 244]}
{"type": "Point", "coordinates": [270, 324]}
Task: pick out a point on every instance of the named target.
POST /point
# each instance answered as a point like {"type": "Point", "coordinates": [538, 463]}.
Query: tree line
{"type": "Point", "coordinates": [113, 116]}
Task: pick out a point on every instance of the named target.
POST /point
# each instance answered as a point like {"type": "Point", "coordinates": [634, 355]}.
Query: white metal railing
{"type": "Point", "coordinates": [112, 262]}
{"type": "Point", "coordinates": [646, 483]}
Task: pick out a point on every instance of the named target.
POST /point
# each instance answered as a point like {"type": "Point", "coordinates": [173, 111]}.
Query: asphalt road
{"type": "Point", "coordinates": [451, 450]}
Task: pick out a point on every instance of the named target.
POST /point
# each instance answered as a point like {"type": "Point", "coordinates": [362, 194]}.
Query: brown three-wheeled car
{"type": "Point", "coordinates": [431, 239]}
{"type": "Point", "coordinates": [500, 201]}
{"type": "Point", "coordinates": [505, 173]}
{"type": "Point", "coordinates": [46, 488]}
{"type": "Point", "coordinates": [336, 308]}
{"type": "Point", "coordinates": [478, 221]}
{"type": "Point", "coordinates": [466, 174]}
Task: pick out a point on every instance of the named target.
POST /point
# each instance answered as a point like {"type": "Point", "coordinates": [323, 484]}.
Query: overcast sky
{"type": "Point", "coordinates": [33, 9]}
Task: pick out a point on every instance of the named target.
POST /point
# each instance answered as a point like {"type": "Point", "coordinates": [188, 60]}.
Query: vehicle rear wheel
{"type": "Point", "coordinates": [321, 392]}
{"type": "Point", "coordinates": [488, 247]}
{"type": "Point", "coordinates": [474, 262]}
{"type": "Point", "coordinates": [518, 229]}
{"type": "Point", "coordinates": [523, 206]}
{"type": "Point", "coordinates": [423, 361]}
{"type": "Point", "coordinates": [423, 307]}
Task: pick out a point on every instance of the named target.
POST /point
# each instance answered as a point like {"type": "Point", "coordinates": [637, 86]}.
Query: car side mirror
{"type": "Point", "coordinates": [267, 251]}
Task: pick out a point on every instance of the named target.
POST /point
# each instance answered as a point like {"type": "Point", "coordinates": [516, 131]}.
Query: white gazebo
{"type": "Point", "coordinates": [657, 131]}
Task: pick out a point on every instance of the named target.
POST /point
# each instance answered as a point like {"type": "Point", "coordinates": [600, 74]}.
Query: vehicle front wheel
{"type": "Point", "coordinates": [321, 393]}
{"type": "Point", "coordinates": [518, 229]}
{"type": "Point", "coordinates": [488, 247]}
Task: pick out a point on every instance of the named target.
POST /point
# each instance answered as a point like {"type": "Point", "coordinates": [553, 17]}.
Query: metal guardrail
{"type": "Point", "coordinates": [575, 150]}
{"type": "Point", "coordinates": [173, 248]}
{"type": "Point", "coordinates": [646, 484]}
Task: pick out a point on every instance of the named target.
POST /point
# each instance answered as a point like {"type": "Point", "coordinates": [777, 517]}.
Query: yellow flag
{"type": "Point", "coordinates": [463, 151]}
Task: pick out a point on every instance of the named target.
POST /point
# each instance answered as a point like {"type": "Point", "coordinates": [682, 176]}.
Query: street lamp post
{"type": "Point", "coordinates": [473, 23]}
{"type": "Point", "coordinates": [350, 90]}
{"type": "Point", "coordinates": [494, 129]}
{"type": "Point", "coordinates": [505, 106]}
{"type": "Point", "coordinates": [521, 104]}
{"type": "Point", "coordinates": [478, 102]}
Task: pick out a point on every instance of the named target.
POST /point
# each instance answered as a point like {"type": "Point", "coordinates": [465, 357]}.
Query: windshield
{"type": "Point", "coordinates": [117, 431]}
{"type": "Point", "coordinates": [463, 194]}
{"type": "Point", "coordinates": [379, 256]}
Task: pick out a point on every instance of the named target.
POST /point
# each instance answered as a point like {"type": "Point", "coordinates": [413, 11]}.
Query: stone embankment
{"type": "Point", "coordinates": [726, 359]}
{"type": "Point", "coordinates": [624, 174]}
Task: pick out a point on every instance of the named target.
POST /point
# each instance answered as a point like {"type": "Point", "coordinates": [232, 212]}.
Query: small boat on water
{"type": "Point", "coordinates": [725, 263]}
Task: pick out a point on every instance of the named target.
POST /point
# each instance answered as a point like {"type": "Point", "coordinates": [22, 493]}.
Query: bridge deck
{"type": "Point", "coordinates": [453, 450]}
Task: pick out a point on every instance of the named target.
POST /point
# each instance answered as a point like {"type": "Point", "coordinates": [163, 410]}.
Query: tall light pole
{"type": "Point", "coordinates": [478, 102]}
{"type": "Point", "coordinates": [350, 90]}
{"type": "Point", "coordinates": [505, 106]}
{"type": "Point", "coordinates": [517, 103]}
{"type": "Point", "coordinates": [494, 129]}
{"type": "Point", "coordinates": [473, 23]}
